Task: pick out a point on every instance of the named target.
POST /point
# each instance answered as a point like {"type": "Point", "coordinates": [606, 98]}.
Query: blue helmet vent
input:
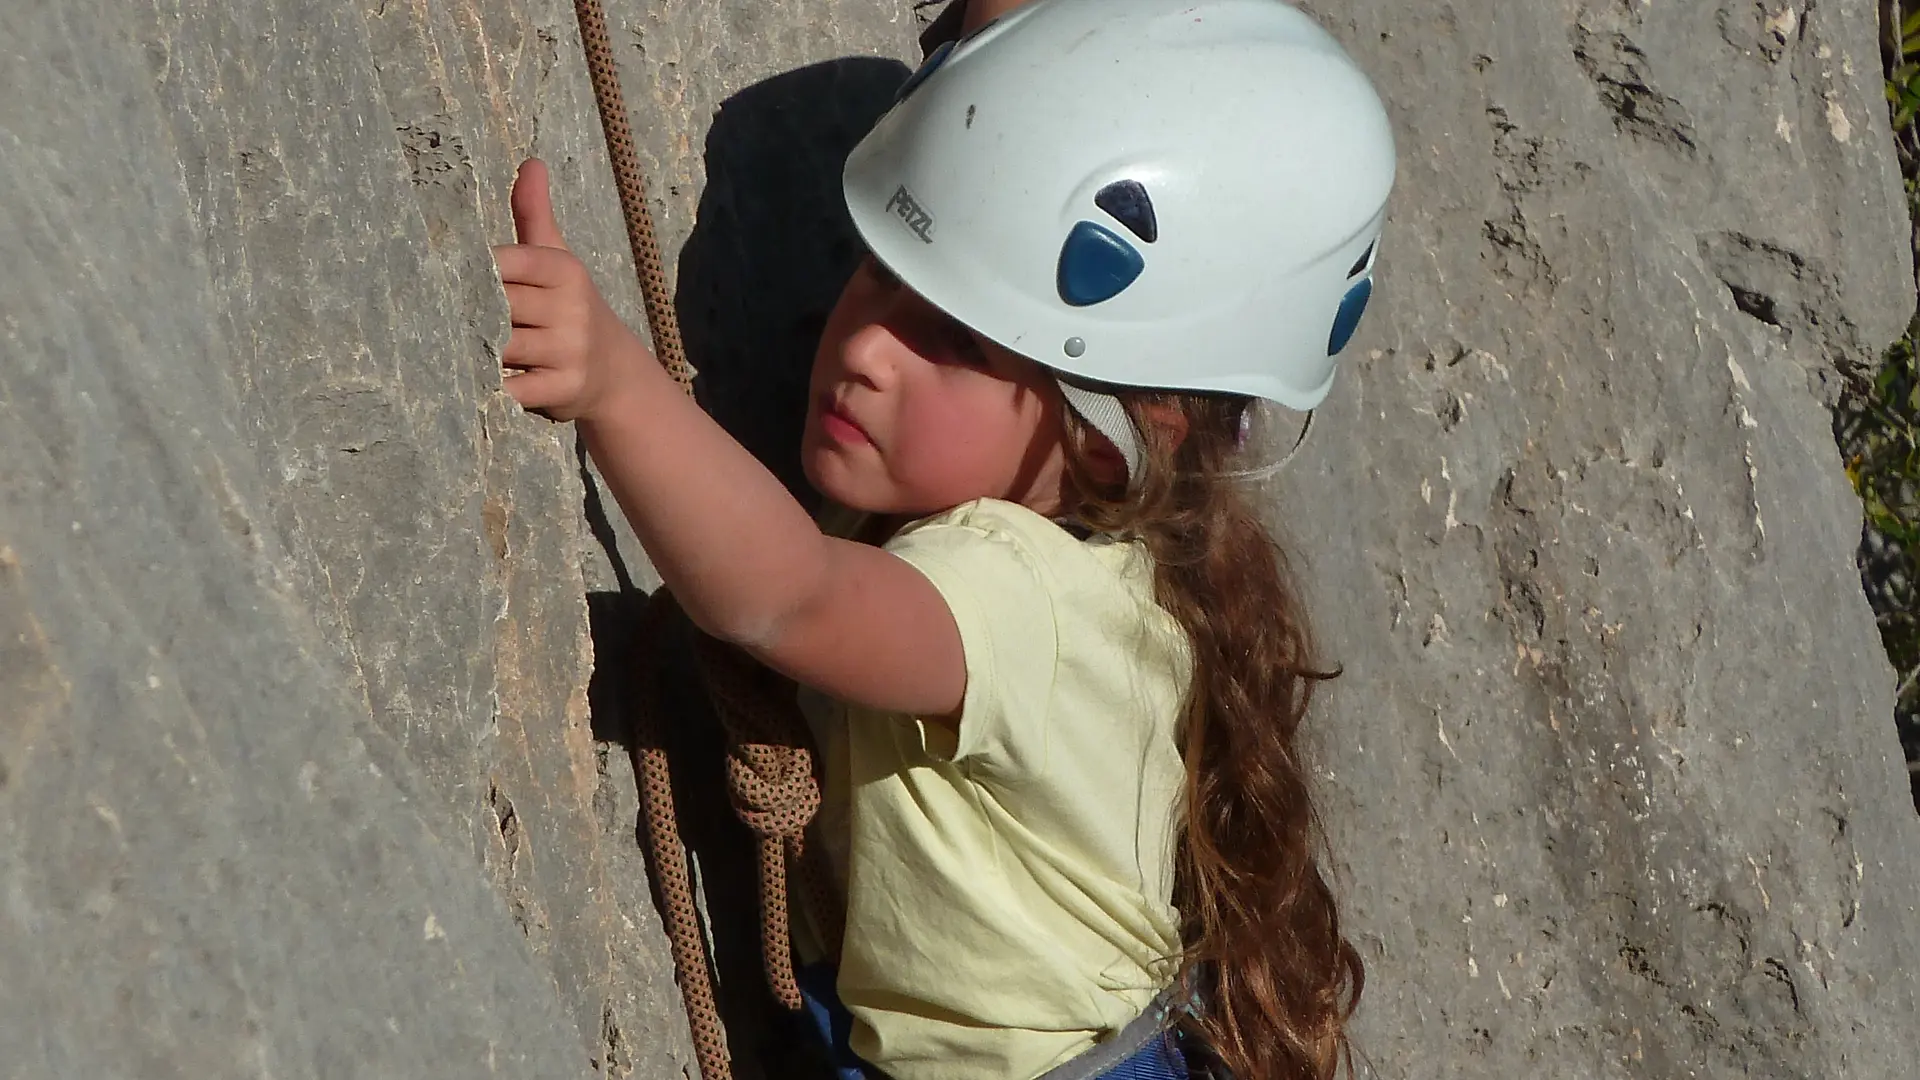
{"type": "Point", "coordinates": [927, 66]}
{"type": "Point", "coordinates": [1348, 320]}
{"type": "Point", "coordinates": [1127, 201]}
{"type": "Point", "coordinates": [1096, 265]}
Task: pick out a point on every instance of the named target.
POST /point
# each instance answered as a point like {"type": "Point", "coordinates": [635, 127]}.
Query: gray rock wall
{"type": "Point", "coordinates": [1612, 771]}
{"type": "Point", "coordinates": [314, 669]}
{"type": "Point", "coordinates": [297, 770]}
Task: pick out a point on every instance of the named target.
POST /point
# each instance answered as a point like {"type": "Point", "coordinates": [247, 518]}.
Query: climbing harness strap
{"type": "Point", "coordinates": [1143, 1050]}
{"type": "Point", "coordinates": [1149, 1047]}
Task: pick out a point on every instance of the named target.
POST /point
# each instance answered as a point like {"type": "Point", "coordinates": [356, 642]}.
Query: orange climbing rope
{"type": "Point", "coordinates": [772, 777]}
{"type": "Point", "coordinates": [668, 865]}
{"type": "Point", "coordinates": [605, 72]}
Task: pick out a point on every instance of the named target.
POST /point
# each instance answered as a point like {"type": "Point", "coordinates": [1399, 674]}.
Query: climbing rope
{"type": "Point", "coordinates": [772, 776]}
{"type": "Point", "coordinates": [668, 857]}
{"type": "Point", "coordinates": [605, 72]}
{"type": "Point", "coordinates": [774, 786]}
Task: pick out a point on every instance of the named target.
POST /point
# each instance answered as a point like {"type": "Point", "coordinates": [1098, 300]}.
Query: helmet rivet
{"type": "Point", "coordinates": [1076, 347]}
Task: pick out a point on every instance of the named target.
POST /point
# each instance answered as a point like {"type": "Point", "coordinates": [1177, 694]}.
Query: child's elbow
{"type": "Point", "coordinates": [750, 629]}
{"type": "Point", "coordinates": [760, 618]}
{"type": "Point", "coordinates": [758, 626]}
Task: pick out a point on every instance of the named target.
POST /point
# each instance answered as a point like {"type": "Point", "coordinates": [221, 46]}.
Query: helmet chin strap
{"type": "Point", "coordinates": [1108, 417]}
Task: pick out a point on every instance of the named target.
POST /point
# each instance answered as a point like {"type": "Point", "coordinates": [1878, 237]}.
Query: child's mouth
{"type": "Point", "coordinates": [839, 426]}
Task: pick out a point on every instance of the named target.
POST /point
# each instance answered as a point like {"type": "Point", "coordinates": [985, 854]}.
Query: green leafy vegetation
{"type": "Point", "coordinates": [1878, 422]}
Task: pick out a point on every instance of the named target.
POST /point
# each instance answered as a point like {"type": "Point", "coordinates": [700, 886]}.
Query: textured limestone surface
{"type": "Point", "coordinates": [298, 774]}
{"type": "Point", "coordinates": [1611, 772]}
{"type": "Point", "coordinates": [315, 655]}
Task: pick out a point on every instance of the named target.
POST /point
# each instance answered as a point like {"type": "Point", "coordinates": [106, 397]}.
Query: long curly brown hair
{"type": "Point", "coordinates": [1260, 929]}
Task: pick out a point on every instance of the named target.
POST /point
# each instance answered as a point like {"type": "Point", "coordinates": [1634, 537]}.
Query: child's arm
{"type": "Point", "coordinates": [743, 558]}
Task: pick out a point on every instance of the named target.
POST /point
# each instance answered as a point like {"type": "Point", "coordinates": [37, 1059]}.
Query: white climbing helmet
{"type": "Point", "coordinates": [1175, 194]}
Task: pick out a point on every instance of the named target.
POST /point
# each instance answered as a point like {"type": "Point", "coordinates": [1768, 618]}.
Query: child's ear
{"type": "Point", "coordinates": [1168, 419]}
{"type": "Point", "coordinates": [1103, 459]}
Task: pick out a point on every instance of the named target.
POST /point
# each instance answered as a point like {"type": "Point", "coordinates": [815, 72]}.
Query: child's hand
{"type": "Point", "coordinates": [568, 352]}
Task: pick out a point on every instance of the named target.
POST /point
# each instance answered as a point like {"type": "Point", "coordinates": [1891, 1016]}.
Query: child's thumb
{"type": "Point", "coordinates": [533, 220]}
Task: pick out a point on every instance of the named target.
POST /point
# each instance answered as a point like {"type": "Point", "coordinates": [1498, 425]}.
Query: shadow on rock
{"type": "Point", "coordinates": [772, 246]}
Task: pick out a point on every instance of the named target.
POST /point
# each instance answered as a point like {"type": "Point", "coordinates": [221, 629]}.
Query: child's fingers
{"type": "Point", "coordinates": [532, 305]}
{"type": "Point", "coordinates": [542, 388]}
{"type": "Point", "coordinates": [533, 220]}
{"type": "Point", "coordinates": [546, 349]}
{"type": "Point", "coordinates": [531, 347]}
{"type": "Point", "coordinates": [546, 267]}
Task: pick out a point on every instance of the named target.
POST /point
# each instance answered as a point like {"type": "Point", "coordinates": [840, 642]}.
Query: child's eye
{"type": "Point", "coordinates": [964, 347]}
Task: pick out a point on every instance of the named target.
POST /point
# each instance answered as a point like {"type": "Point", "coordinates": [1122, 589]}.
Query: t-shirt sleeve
{"type": "Point", "coordinates": [1001, 600]}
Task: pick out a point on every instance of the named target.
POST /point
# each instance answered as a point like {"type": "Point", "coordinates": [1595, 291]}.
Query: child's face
{"type": "Point", "coordinates": [911, 413]}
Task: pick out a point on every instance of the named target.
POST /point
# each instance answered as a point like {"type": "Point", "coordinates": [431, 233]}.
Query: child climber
{"type": "Point", "coordinates": [1066, 675]}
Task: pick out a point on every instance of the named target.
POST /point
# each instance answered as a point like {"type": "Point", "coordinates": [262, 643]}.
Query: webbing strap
{"type": "Point", "coordinates": [1156, 1022]}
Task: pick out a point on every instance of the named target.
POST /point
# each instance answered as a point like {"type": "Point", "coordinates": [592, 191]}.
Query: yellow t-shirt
{"type": "Point", "coordinates": [1009, 889]}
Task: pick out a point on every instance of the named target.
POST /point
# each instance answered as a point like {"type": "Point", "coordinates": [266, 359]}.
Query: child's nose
{"type": "Point", "coordinates": [872, 355]}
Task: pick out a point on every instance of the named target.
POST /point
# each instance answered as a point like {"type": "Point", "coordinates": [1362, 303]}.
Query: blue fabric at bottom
{"type": "Point", "coordinates": [832, 1025]}
{"type": "Point", "coordinates": [1160, 1059]}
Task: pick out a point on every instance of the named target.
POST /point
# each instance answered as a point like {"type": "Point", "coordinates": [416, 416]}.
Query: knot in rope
{"type": "Point", "coordinates": [770, 770]}
{"type": "Point", "coordinates": [772, 788]}
{"type": "Point", "coordinates": [775, 791]}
